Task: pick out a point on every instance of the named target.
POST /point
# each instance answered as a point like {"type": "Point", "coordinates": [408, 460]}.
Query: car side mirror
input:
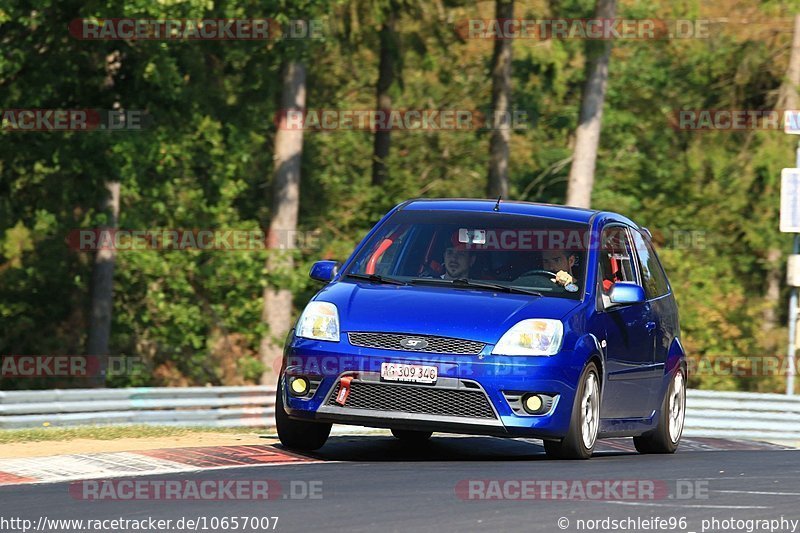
{"type": "Point", "coordinates": [324, 271]}
{"type": "Point", "coordinates": [626, 293]}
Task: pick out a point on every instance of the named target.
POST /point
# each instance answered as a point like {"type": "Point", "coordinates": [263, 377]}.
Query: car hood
{"type": "Point", "coordinates": [479, 315]}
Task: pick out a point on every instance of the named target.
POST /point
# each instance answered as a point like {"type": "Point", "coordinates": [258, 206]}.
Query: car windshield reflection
{"type": "Point", "coordinates": [464, 250]}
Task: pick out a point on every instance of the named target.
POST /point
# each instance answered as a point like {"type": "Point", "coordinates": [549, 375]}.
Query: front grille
{"type": "Point", "coordinates": [416, 399]}
{"type": "Point", "coordinates": [391, 341]}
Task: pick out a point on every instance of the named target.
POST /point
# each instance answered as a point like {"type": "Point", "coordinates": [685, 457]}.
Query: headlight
{"type": "Point", "coordinates": [535, 336]}
{"type": "Point", "coordinates": [320, 320]}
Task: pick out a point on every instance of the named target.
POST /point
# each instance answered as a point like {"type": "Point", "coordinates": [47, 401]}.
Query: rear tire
{"type": "Point", "coordinates": [667, 434]}
{"type": "Point", "coordinates": [298, 434]}
{"type": "Point", "coordinates": [411, 436]}
{"type": "Point", "coordinates": [584, 423]}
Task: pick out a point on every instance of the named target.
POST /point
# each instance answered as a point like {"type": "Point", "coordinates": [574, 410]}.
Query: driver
{"type": "Point", "coordinates": [457, 262]}
{"type": "Point", "coordinates": [555, 260]}
{"type": "Point", "coordinates": [560, 262]}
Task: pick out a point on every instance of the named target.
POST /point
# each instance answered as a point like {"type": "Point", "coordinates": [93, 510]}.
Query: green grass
{"type": "Point", "coordinates": [8, 436]}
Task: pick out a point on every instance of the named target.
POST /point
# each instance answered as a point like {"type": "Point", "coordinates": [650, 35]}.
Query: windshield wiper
{"type": "Point", "coordinates": [376, 278]}
{"type": "Point", "coordinates": [463, 282]}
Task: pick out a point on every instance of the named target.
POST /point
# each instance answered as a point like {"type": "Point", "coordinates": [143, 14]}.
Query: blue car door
{"type": "Point", "coordinates": [662, 303]}
{"type": "Point", "coordinates": [630, 334]}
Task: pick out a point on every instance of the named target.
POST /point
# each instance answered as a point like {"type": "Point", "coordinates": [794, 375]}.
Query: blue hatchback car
{"type": "Point", "coordinates": [510, 319]}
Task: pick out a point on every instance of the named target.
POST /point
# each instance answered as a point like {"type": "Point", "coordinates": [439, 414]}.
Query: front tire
{"type": "Point", "coordinates": [298, 434]}
{"type": "Point", "coordinates": [584, 423]}
{"type": "Point", "coordinates": [667, 435]}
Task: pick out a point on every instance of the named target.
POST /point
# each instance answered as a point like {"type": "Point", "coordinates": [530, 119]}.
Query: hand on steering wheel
{"type": "Point", "coordinates": [539, 272]}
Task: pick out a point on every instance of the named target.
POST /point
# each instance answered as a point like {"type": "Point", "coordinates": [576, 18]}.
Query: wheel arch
{"type": "Point", "coordinates": [590, 351]}
{"type": "Point", "coordinates": [676, 357]}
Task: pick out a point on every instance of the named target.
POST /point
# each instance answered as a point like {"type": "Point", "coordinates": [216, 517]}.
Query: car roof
{"type": "Point", "coordinates": [561, 212]}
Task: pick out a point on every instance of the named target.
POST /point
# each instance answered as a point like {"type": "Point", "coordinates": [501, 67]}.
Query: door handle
{"type": "Point", "coordinates": [650, 326]}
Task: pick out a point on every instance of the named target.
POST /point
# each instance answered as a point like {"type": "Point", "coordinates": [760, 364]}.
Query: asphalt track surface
{"type": "Point", "coordinates": [374, 483]}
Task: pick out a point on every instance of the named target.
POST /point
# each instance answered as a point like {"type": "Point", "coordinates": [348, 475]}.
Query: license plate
{"type": "Point", "coordinates": [409, 373]}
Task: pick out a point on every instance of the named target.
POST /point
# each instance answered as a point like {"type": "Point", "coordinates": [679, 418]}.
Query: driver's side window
{"type": "Point", "coordinates": [616, 258]}
{"type": "Point", "coordinates": [383, 255]}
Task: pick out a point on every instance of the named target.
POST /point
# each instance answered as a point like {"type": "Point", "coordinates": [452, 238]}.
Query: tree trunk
{"type": "Point", "coordinates": [587, 137]}
{"type": "Point", "coordinates": [386, 71]}
{"type": "Point", "coordinates": [787, 96]}
{"type": "Point", "coordinates": [102, 291]}
{"type": "Point", "coordinates": [277, 311]}
{"type": "Point", "coordinates": [501, 107]}
{"type": "Point", "coordinates": [787, 99]}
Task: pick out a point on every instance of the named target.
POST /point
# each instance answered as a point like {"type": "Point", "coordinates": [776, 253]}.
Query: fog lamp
{"type": "Point", "coordinates": [298, 386]}
{"type": "Point", "coordinates": [532, 403]}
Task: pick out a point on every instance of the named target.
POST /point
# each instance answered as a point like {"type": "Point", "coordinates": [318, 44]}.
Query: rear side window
{"type": "Point", "coordinates": [653, 277]}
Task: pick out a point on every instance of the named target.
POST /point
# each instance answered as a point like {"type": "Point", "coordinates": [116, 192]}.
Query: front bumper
{"type": "Point", "coordinates": [451, 405]}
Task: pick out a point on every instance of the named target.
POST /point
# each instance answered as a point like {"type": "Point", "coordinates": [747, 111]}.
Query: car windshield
{"type": "Point", "coordinates": [477, 250]}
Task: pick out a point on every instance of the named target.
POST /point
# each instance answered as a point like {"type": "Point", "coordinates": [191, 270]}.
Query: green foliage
{"type": "Point", "coordinates": [205, 161]}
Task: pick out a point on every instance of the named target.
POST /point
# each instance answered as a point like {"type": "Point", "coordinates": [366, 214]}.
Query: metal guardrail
{"type": "Point", "coordinates": [746, 415]}
{"type": "Point", "coordinates": [190, 406]}
{"type": "Point", "coordinates": [708, 413]}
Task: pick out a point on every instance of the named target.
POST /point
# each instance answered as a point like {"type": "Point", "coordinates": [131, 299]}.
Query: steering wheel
{"type": "Point", "coordinates": [537, 272]}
